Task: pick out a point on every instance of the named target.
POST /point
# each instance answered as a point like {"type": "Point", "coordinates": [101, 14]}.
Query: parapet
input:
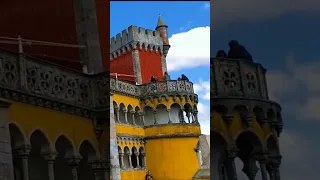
{"type": "Point", "coordinates": [135, 36]}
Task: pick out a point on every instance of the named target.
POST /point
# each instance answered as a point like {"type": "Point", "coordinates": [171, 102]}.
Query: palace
{"type": "Point", "coordinates": [245, 124]}
{"type": "Point", "coordinates": [154, 122]}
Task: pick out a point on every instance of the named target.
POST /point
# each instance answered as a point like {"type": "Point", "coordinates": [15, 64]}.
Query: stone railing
{"type": "Point", "coordinates": [31, 80]}
{"type": "Point", "coordinates": [172, 87]}
{"type": "Point", "coordinates": [238, 78]}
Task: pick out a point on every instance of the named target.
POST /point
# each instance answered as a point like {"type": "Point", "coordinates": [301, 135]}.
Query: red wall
{"type": "Point", "coordinates": [40, 20]}
{"type": "Point", "coordinates": [150, 64]}
{"type": "Point", "coordinates": [123, 65]}
{"type": "Point", "coordinates": [52, 21]}
{"type": "Point", "coordinates": [103, 13]}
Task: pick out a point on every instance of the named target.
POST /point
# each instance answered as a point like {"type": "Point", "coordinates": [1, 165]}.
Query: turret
{"type": "Point", "coordinates": [162, 28]}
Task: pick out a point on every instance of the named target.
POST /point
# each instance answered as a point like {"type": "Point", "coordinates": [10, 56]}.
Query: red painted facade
{"type": "Point", "coordinates": [123, 65]}
{"type": "Point", "coordinates": [52, 21]}
{"type": "Point", "coordinates": [103, 13]}
{"type": "Point", "coordinates": [150, 64]}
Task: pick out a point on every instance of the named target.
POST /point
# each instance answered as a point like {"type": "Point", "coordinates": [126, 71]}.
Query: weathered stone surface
{"type": "Point", "coordinates": [33, 81]}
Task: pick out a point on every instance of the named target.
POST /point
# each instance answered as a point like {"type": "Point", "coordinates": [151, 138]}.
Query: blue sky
{"type": "Point", "coordinates": [285, 40]}
{"type": "Point", "coordinates": [188, 23]}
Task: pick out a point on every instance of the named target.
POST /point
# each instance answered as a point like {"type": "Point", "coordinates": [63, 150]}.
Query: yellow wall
{"type": "Point", "coordinates": [168, 102]}
{"type": "Point", "coordinates": [126, 100]}
{"type": "Point", "coordinates": [236, 127]}
{"type": "Point", "coordinates": [172, 158]}
{"type": "Point", "coordinates": [53, 123]}
{"type": "Point", "coordinates": [133, 175]}
{"type": "Point", "coordinates": [170, 129]}
{"type": "Point", "coordinates": [130, 130]}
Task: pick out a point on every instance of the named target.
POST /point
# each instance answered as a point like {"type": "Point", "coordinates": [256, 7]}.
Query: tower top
{"type": "Point", "coordinates": [160, 22]}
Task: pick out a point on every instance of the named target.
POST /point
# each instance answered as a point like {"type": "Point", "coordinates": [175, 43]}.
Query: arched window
{"type": "Point", "coordinates": [134, 154]}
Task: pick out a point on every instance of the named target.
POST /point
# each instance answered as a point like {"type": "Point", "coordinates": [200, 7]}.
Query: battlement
{"type": "Point", "coordinates": [134, 36]}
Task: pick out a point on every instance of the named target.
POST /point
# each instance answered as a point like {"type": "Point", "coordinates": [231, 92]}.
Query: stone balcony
{"type": "Point", "coordinates": [168, 88]}
{"type": "Point", "coordinates": [34, 81]}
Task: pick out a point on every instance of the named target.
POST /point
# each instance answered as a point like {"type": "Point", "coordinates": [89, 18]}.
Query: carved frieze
{"type": "Point", "coordinates": [34, 81]}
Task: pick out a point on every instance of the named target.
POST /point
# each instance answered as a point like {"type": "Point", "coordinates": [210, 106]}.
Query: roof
{"type": "Point", "coordinates": [160, 22]}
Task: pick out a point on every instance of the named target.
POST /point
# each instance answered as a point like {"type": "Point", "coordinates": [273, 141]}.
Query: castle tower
{"type": "Point", "coordinates": [162, 28]}
{"type": "Point", "coordinates": [140, 53]}
{"type": "Point", "coordinates": [245, 124]}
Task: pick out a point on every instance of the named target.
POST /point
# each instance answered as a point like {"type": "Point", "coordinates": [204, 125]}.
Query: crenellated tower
{"type": "Point", "coordinates": [140, 53]}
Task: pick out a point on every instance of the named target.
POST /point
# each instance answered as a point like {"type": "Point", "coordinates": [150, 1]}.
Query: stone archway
{"type": "Point", "coordinates": [250, 153]}
{"type": "Point", "coordinates": [39, 160]}
{"type": "Point", "coordinates": [65, 161]}
{"type": "Point", "coordinates": [218, 160]}
{"type": "Point", "coordinates": [88, 154]}
{"type": "Point", "coordinates": [127, 158]}
{"type": "Point", "coordinates": [274, 158]}
{"type": "Point", "coordinates": [18, 141]}
{"type": "Point", "coordinates": [142, 157]}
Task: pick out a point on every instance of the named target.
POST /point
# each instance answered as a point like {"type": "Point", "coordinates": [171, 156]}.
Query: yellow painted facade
{"type": "Point", "coordinates": [167, 157]}
{"type": "Point", "coordinates": [52, 124]}
{"type": "Point", "coordinates": [237, 126]}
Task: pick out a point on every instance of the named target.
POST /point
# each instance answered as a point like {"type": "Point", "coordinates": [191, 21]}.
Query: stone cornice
{"type": "Point", "coordinates": [181, 135]}
{"type": "Point", "coordinates": [34, 81]}
{"type": "Point", "coordinates": [135, 137]}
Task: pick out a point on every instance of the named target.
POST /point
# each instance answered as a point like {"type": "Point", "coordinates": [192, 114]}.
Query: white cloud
{"type": "Point", "coordinates": [224, 11]}
{"type": "Point", "coordinates": [204, 117]}
{"type": "Point", "coordinates": [299, 81]}
{"type": "Point", "coordinates": [202, 88]}
{"type": "Point", "coordinates": [189, 49]}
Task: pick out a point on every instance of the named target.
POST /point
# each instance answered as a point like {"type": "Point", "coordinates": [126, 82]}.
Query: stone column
{"type": "Point", "coordinates": [136, 66]}
{"type": "Point", "coordinates": [125, 115]}
{"type": "Point", "coordinates": [262, 160]}
{"type": "Point", "coordinates": [130, 162]}
{"type": "Point", "coordinates": [188, 116]}
{"type": "Point", "coordinates": [169, 122]}
{"type": "Point", "coordinates": [118, 114]}
{"type": "Point", "coordinates": [24, 154]}
{"type": "Point", "coordinates": [144, 162]}
{"type": "Point", "coordinates": [105, 170]}
{"type": "Point", "coordinates": [50, 157]}
{"type": "Point", "coordinates": [74, 164]}
{"type": "Point", "coordinates": [121, 160]}
{"type": "Point", "coordinates": [114, 161]}
{"type": "Point", "coordinates": [228, 118]}
{"type": "Point", "coordinates": [271, 171]}
{"type": "Point", "coordinates": [276, 170]}
{"type": "Point", "coordinates": [97, 170]}
{"type": "Point", "coordinates": [275, 161]}
{"type": "Point", "coordinates": [133, 118]}
{"type": "Point", "coordinates": [195, 114]}
{"type": "Point", "coordinates": [137, 156]}
{"type": "Point", "coordinates": [6, 163]}
{"type": "Point", "coordinates": [181, 118]}
{"type": "Point", "coordinates": [155, 117]}
{"type": "Point", "coordinates": [141, 114]}
{"type": "Point", "coordinates": [232, 154]}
